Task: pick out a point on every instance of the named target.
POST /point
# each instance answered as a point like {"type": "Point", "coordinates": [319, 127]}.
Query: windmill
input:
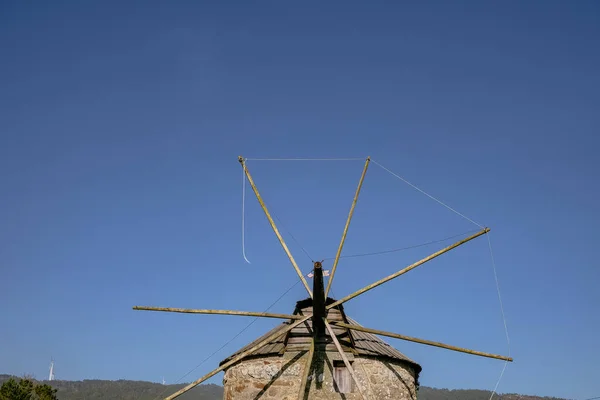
{"type": "Point", "coordinates": [323, 319]}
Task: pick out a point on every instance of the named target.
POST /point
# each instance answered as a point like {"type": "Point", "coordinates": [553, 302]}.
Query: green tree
{"type": "Point", "coordinates": [25, 389]}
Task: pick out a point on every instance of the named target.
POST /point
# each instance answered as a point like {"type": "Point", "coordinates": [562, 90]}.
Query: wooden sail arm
{"type": "Point", "coordinates": [273, 226]}
{"type": "Point", "coordinates": [422, 341]}
{"type": "Point", "coordinates": [338, 346]}
{"type": "Point", "coordinates": [234, 360]}
{"type": "Point", "coordinates": [407, 269]}
{"type": "Point", "coordinates": [307, 370]}
{"type": "Point", "coordinates": [220, 312]}
{"type": "Point", "coordinates": [345, 232]}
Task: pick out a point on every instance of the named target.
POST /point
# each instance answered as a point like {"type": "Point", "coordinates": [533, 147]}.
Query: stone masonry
{"type": "Point", "coordinates": [279, 378]}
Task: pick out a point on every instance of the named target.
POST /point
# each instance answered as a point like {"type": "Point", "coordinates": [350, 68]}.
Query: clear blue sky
{"type": "Point", "coordinates": [121, 123]}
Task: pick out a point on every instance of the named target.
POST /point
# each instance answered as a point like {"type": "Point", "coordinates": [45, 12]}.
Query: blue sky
{"type": "Point", "coordinates": [120, 128]}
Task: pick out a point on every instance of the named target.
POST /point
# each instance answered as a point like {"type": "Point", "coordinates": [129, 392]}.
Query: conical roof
{"type": "Point", "coordinates": [298, 339]}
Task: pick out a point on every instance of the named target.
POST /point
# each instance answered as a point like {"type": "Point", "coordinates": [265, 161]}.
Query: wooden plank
{"type": "Point", "coordinates": [297, 347]}
{"type": "Point", "coordinates": [296, 340]}
{"type": "Point", "coordinates": [339, 330]}
{"type": "Point", "coordinates": [331, 347]}
{"type": "Point", "coordinates": [423, 341]}
{"type": "Point", "coordinates": [221, 312]}
{"type": "Point", "coordinates": [345, 232]}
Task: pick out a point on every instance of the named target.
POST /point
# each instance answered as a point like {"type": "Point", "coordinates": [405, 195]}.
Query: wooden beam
{"type": "Point", "coordinates": [266, 211]}
{"type": "Point", "coordinates": [307, 369]}
{"type": "Point", "coordinates": [341, 351]}
{"type": "Point", "coordinates": [221, 312]}
{"type": "Point", "coordinates": [275, 335]}
{"type": "Point", "coordinates": [407, 269]}
{"type": "Point", "coordinates": [339, 251]}
{"type": "Point", "coordinates": [422, 341]}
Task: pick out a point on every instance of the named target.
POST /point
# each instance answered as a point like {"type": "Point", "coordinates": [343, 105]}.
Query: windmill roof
{"type": "Point", "coordinates": [357, 342]}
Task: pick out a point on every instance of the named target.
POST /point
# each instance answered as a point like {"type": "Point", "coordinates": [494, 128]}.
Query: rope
{"type": "Point", "coordinates": [498, 291]}
{"type": "Point", "coordinates": [243, 215]}
{"type": "Point", "coordinates": [499, 379]}
{"type": "Point", "coordinates": [228, 342]}
{"type": "Point", "coordinates": [401, 248]}
{"type": "Point", "coordinates": [428, 195]}
{"type": "Point", "coordinates": [503, 315]}
{"type": "Point", "coordinates": [304, 159]}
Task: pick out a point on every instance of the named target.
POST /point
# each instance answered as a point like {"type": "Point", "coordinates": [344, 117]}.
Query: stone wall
{"type": "Point", "coordinates": [279, 377]}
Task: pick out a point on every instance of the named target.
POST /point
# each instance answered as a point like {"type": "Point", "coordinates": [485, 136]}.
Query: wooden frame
{"type": "Point", "coordinates": [319, 296]}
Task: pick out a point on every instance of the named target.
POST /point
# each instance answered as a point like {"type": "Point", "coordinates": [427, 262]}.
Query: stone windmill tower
{"type": "Point", "coordinates": [319, 352]}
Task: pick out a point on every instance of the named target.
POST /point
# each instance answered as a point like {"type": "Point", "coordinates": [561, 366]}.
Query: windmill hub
{"type": "Point", "coordinates": [319, 311]}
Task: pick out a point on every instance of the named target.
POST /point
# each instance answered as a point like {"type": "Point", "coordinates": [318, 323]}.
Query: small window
{"type": "Point", "coordinates": [341, 378]}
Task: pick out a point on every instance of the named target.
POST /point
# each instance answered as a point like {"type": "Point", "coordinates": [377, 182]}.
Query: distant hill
{"type": "Point", "coordinates": [140, 390]}
{"type": "Point", "coordinates": [91, 389]}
